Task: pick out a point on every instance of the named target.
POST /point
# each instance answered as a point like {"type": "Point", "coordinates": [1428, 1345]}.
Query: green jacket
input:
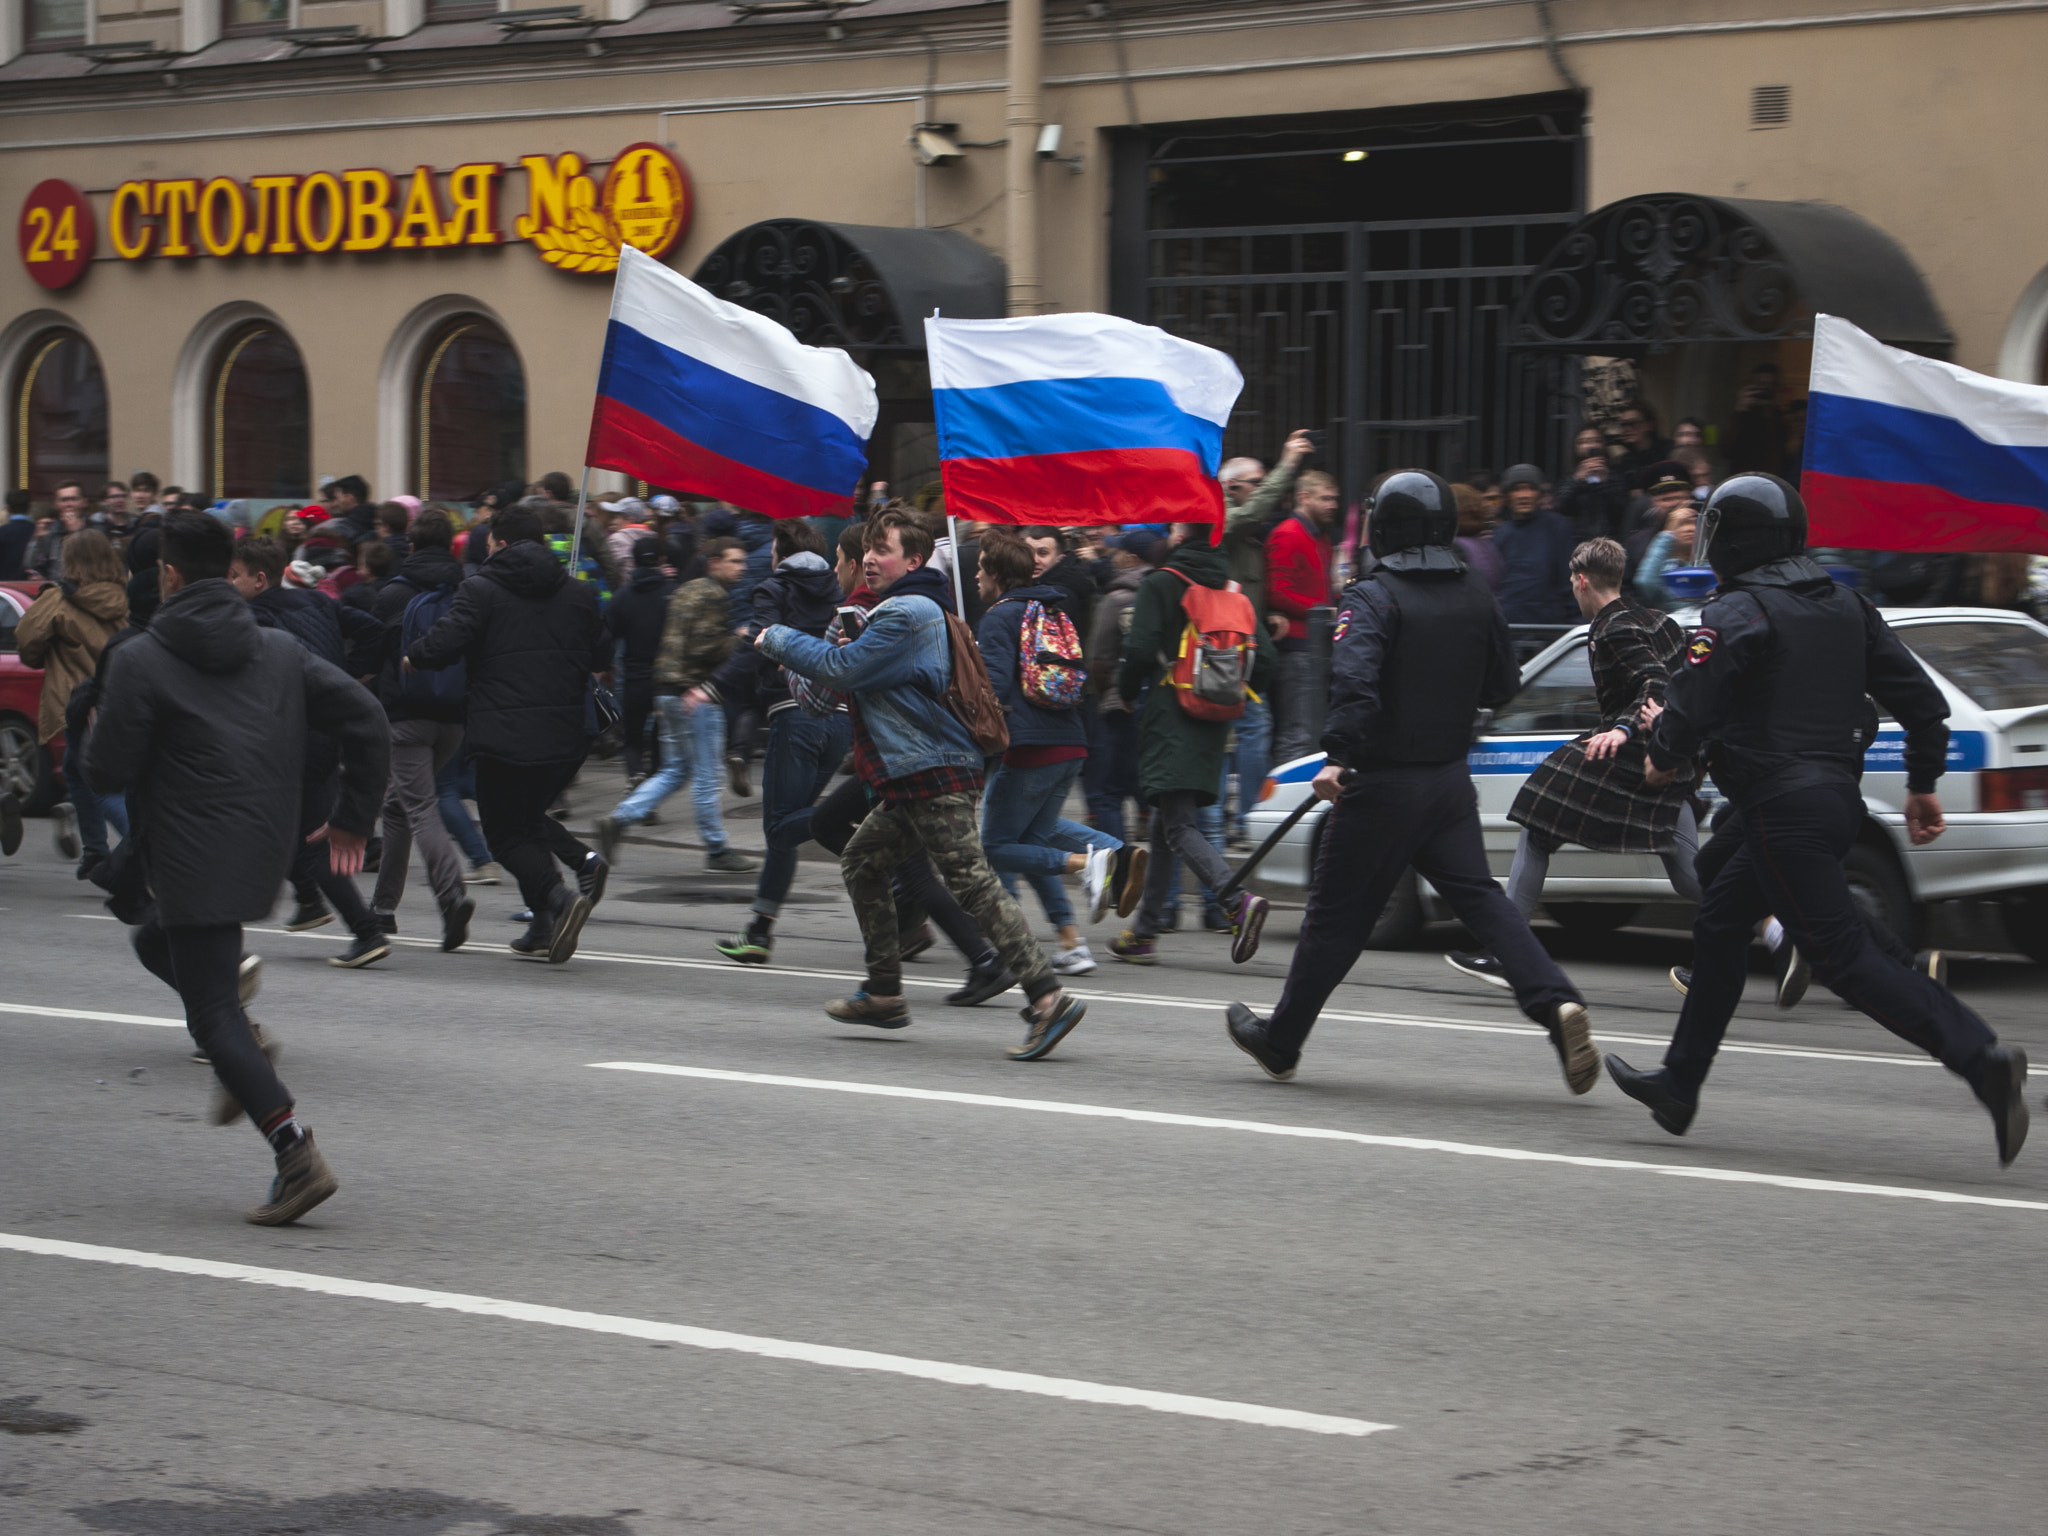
{"type": "Point", "coordinates": [695, 637]}
{"type": "Point", "coordinates": [1175, 750]}
{"type": "Point", "coordinates": [1246, 527]}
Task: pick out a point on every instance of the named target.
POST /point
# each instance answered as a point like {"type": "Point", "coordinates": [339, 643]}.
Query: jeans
{"type": "Point", "coordinates": [803, 754]}
{"type": "Point", "coordinates": [1386, 820]}
{"type": "Point", "coordinates": [692, 749]}
{"type": "Point", "coordinates": [1110, 776]}
{"type": "Point", "coordinates": [203, 966]}
{"type": "Point", "coordinates": [312, 871]}
{"type": "Point", "coordinates": [1024, 834]}
{"type": "Point", "coordinates": [1532, 865]}
{"type": "Point", "coordinates": [514, 799]}
{"type": "Point", "coordinates": [420, 749]}
{"type": "Point", "coordinates": [456, 779]}
{"type": "Point", "coordinates": [1790, 865]}
{"type": "Point", "coordinates": [1176, 835]}
{"type": "Point", "coordinates": [96, 812]}
{"type": "Point", "coordinates": [1296, 733]}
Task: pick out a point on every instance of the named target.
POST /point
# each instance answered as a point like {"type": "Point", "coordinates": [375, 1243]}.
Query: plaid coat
{"type": "Point", "coordinates": [1607, 805]}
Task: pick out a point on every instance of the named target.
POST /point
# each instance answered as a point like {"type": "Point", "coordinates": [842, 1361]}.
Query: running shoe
{"type": "Point", "coordinates": [1482, 967]}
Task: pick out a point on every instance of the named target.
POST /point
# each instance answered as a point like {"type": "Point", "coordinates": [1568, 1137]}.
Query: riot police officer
{"type": "Point", "coordinates": [1773, 689]}
{"type": "Point", "coordinates": [1421, 647]}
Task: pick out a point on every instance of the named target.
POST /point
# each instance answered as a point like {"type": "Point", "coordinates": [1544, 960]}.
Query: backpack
{"type": "Point", "coordinates": [971, 696]}
{"type": "Point", "coordinates": [1211, 676]}
{"type": "Point", "coordinates": [446, 686]}
{"type": "Point", "coordinates": [1049, 669]}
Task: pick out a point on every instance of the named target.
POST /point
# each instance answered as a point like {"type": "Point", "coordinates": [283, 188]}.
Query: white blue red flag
{"type": "Point", "coordinates": [1903, 452]}
{"type": "Point", "coordinates": [1063, 419]}
{"type": "Point", "coordinates": [702, 396]}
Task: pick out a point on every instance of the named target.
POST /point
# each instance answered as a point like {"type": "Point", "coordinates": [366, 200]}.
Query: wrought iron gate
{"type": "Point", "coordinates": [1390, 337]}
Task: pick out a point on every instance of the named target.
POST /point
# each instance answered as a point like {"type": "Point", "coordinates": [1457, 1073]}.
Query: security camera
{"type": "Point", "coordinates": [1049, 141]}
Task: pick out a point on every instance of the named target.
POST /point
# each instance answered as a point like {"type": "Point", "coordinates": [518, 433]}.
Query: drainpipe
{"type": "Point", "coordinates": [1027, 75]}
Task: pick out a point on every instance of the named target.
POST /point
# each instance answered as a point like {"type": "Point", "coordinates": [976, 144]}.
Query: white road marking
{"type": "Point", "coordinates": [86, 1013]}
{"type": "Point", "coordinates": [705, 1338]}
{"type": "Point", "coordinates": [1317, 1133]}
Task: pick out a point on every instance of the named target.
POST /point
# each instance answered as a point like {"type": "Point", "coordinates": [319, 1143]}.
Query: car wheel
{"type": "Point", "coordinates": [2026, 921]}
{"type": "Point", "coordinates": [1879, 888]}
{"type": "Point", "coordinates": [25, 770]}
{"type": "Point", "coordinates": [1590, 919]}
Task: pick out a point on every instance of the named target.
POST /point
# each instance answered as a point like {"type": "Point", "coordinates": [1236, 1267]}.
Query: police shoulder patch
{"type": "Point", "coordinates": [1700, 647]}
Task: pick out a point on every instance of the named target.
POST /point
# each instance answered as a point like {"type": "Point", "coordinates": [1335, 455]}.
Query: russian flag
{"type": "Point", "coordinates": [1903, 452]}
{"type": "Point", "coordinates": [704, 396]}
{"type": "Point", "coordinates": [1063, 419]}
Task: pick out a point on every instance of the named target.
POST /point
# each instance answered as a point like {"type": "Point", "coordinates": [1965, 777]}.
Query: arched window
{"type": "Point", "coordinates": [60, 415]}
{"type": "Point", "coordinates": [469, 426]}
{"type": "Point", "coordinates": [259, 436]}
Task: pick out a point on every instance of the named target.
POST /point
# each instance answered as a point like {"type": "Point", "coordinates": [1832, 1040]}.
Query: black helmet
{"type": "Point", "coordinates": [1413, 509]}
{"type": "Point", "coordinates": [1750, 520]}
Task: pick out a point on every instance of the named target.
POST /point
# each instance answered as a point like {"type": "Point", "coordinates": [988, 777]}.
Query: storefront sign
{"type": "Point", "coordinates": [571, 221]}
{"type": "Point", "coordinates": [58, 233]}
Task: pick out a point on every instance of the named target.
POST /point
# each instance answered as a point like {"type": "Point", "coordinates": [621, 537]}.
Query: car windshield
{"type": "Point", "coordinates": [1560, 698]}
{"type": "Point", "coordinates": [2000, 666]}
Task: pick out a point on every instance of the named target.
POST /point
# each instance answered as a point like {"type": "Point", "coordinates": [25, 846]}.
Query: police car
{"type": "Point", "coordinates": [1992, 667]}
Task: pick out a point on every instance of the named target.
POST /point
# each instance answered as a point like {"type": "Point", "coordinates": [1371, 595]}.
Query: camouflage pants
{"type": "Point", "coordinates": [947, 828]}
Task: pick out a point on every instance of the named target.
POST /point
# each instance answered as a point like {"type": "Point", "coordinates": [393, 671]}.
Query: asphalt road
{"type": "Point", "coordinates": [1121, 1290]}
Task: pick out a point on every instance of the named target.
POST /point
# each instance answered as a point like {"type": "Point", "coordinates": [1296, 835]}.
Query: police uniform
{"type": "Point", "coordinates": [1772, 689]}
{"type": "Point", "coordinates": [1421, 647]}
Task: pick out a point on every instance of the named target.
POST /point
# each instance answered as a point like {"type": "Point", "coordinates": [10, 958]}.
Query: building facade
{"type": "Point", "coordinates": [267, 241]}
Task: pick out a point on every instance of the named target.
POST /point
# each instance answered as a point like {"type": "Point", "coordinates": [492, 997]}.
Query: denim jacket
{"type": "Point", "coordinates": [897, 672]}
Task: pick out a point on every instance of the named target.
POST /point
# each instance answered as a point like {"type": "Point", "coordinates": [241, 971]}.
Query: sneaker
{"type": "Point", "coordinates": [368, 949]}
{"type": "Point", "coordinates": [1247, 923]}
{"type": "Point", "coordinates": [1933, 964]}
{"type": "Point", "coordinates": [1130, 881]}
{"type": "Point", "coordinates": [736, 775]}
{"type": "Point", "coordinates": [1571, 1032]}
{"type": "Point", "coordinates": [1247, 1032]}
{"type": "Point", "coordinates": [571, 913]}
{"type": "Point", "coordinates": [591, 877]}
{"type": "Point", "coordinates": [303, 1181]}
{"type": "Point", "coordinates": [310, 914]}
{"type": "Point", "coordinates": [1073, 962]}
{"type": "Point", "coordinates": [1129, 947]}
{"type": "Point", "coordinates": [1046, 1028]}
{"type": "Point", "coordinates": [249, 979]}
{"type": "Point", "coordinates": [730, 861]}
{"type": "Point", "coordinates": [608, 834]}
{"type": "Point", "coordinates": [1483, 967]}
{"type": "Point", "coordinates": [1654, 1090]}
{"type": "Point", "coordinates": [988, 978]}
{"type": "Point", "coordinates": [862, 1009]}
{"type": "Point", "coordinates": [455, 924]}
{"type": "Point", "coordinates": [10, 825]}
{"type": "Point", "coordinates": [915, 942]}
{"type": "Point", "coordinates": [749, 948]}
{"type": "Point", "coordinates": [2000, 1087]}
{"type": "Point", "coordinates": [1215, 919]}
{"type": "Point", "coordinates": [1794, 977]}
{"type": "Point", "coordinates": [64, 823]}
{"type": "Point", "coordinates": [224, 1108]}
{"type": "Point", "coordinates": [484, 874]}
{"type": "Point", "coordinates": [1095, 880]}
{"type": "Point", "coordinates": [387, 922]}
{"type": "Point", "coordinates": [1681, 978]}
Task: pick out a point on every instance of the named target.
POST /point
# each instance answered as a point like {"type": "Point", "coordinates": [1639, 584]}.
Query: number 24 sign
{"type": "Point", "coordinates": [57, 234]}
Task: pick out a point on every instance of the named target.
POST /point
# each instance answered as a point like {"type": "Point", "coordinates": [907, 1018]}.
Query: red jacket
{"type": "Point", "coordinates": [1297, 573]}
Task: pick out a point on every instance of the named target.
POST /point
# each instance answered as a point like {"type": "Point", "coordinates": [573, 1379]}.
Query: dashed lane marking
{"type": "Point", "coordinates": [1318, 1133]}
{"type": "Point", "coordinates": [706, 1338]}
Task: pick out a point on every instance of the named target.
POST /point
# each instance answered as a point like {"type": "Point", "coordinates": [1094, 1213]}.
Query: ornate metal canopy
{"type": "Point", "coordinates": [1642, 275]}
{"type": "Point", "coordinates": [856, 286]}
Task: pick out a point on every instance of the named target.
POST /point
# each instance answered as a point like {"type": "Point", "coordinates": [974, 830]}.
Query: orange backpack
{"type": "Point", "coordinates": [1211, 677]}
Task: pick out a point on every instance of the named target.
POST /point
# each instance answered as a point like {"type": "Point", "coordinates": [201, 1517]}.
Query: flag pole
{"type": "Point", "coordinates": [959, 592]}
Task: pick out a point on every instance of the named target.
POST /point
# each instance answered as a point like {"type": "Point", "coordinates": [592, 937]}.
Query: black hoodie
{"type": "Point", "coordinates": [531, 638]}
{"type": "Point", "coordinates": [203, 720]}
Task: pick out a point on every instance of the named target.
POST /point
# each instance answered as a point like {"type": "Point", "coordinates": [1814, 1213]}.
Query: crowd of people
{"type": "Point", "coordinates": [922, 699]}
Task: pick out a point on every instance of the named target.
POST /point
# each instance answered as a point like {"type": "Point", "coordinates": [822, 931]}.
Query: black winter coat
{"type": "Point", "coordinates": [999, 635]}
{"type": "Point", "coordinates": [203, 719]}
{"type": "Point", "coordinates": [531, 638]}
{"type": "Point", "coordinates": [801, 592]}
{"type": "Point", "coordinates": [425, 570]}
{"type": "Point", "coordinates": [634, 619]}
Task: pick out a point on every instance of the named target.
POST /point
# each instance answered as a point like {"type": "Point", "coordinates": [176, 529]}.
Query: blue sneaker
{"type": "Point", "coordinates": [1048, 1029]}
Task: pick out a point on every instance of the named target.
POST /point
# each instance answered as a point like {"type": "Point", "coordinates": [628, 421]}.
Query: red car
{"type": "Point", "coordinates": [28, 770]}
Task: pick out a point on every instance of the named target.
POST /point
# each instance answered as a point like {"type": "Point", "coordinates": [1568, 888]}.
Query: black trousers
{"type": "Point", "coordinates": [919, 890]}
{"type": "Point", "coordinates": [1386, 820]}
{"type": "Point", "coordinates": [313, 875]}
{"type": "Point", "coordinates": [512, 801]}
{"type": "Point", "coordinates": [1789, 865]}
{"type": "Point", "coordinates": [201, 965]}
{"type": "Point", "coordinates": [1722, 846]}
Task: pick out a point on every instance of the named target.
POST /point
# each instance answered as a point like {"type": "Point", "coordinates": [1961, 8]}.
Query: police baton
{"type": "Point", "coordinates": [1309, 802]}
